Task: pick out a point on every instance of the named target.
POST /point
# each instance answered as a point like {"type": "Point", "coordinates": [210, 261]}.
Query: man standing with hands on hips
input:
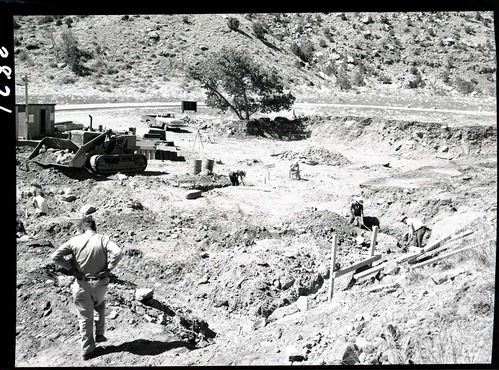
{"type": "Point", "coordinates": [89, 257]}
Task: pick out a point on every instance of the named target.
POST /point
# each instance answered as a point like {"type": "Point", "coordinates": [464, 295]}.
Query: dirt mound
{"type": "Point", "coordinates": [315, 155]}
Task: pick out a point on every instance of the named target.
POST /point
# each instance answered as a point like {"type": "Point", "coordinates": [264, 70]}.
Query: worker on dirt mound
{"type": "Point", "coordinates": [235, 176]}
{"type": "Point", "coordinates": [91, 257]}
{"type": "Point", "coordinates": [357, 212]}
{"type": "Point", "coordinates": [294, 171]}
{"type": "Point", "coordinates": [416, 230]}
{"type": "Point", "coordinates": [39, 203]}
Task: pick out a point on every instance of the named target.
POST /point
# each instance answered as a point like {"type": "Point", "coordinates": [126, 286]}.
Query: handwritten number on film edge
{"type": "Point", "coordinates": [7, 70]}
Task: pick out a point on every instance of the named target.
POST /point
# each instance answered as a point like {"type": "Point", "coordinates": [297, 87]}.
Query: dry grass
{"type": "Point", "coordinates": [448, 348]}
{"type": "Point", "coordinates": [482, 254]}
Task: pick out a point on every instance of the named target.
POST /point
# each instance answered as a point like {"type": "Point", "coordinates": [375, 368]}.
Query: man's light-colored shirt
{"type": "Point", "coordinates": [90, 253]}
{"type": "Point", "coordinates": [41, 204]}
{"type": "Point", "coordinates": [414, 223]}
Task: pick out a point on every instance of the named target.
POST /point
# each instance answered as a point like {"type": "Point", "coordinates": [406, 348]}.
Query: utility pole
{"type": "Point", "coordinates": [27, 113]}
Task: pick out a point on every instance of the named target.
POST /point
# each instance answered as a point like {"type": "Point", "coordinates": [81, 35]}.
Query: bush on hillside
{"type": "Point", "coordinates": [233, 23]}
{"type": "Point", "coordinates": [464, 86]}
{"type": "Point", "coordinates": [305, 51]}
{"type": "Point", "coordinates": [72, 54]}
{"type": "Point", "coordinates": [342, 80]}
{"type": "Point", "coordinates": [358, 78]}
{"type": "Point", "coordinates": [233, 81]}
{"type": "Point", "coordinates": [259, 30]}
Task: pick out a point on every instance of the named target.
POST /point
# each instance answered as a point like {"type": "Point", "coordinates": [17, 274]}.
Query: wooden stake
{"type": "Point", "coordinates": [333, 262]}
{"type": "Point", "coordinates": [373, 241]}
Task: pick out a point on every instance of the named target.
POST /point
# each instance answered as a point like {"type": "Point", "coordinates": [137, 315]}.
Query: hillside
{"type": "Point", "coordinates": [320, 56]}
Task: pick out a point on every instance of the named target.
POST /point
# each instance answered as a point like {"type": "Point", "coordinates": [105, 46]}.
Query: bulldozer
{"type": "Point", "coordinates": [100, 153]}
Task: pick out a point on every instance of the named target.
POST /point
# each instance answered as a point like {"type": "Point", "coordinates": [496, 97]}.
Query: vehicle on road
{"type": "Point", "coordinates": [163, 121]}
{"type": "Point", "coordinates": [67, 126]}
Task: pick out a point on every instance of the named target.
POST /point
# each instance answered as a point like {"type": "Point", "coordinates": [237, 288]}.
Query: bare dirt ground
{"type": "Point", "coordinates": [228, 267]}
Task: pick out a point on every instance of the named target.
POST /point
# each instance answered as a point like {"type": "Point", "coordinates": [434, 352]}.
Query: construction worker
{"type": "Point", "coordinates": [294, 171]}
{"type": "Point", "coordinates": [416, 231]}
{"type": "Point", "coordinates": [39, 203]}
{"type": "Point", "coordinates": [234, 177]}
{"type": "Point", "coordinates": [357, 212]}
{"type": "Point", "coordinates": [91, 257]}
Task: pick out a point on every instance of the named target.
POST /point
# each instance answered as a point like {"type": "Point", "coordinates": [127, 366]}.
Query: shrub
{"type": "Point", "coordinates": [464, 86]}
{"type": "Point", "coordinates": [328, 33]}
{"type": "Point", "coordinates": [16, 25]}
{"type": "Point", "coordinates": [384, 79]}
{"type": "Point", "coordinates": [23, 56]}
{"type": "Point", "coordinates": [72, 54]}
{"type": "Point", "coordinates": [259, 30]}
{"type": "Point", "coordinates": [322, 43]}
{"type": "Point", "coordinates": [68, 80]}
{"type": "Point", "coordinates": [330, 69]}
{"type": "Point", "coordinates": [416, 82]}
{"type": "Point", "coordinates": [445, 76]}
{"type": "Point", "coordinates": [305, 52]}
{"type": "Point", "coordinates": [46, 19]}
{"type": "Point", "coordinates": [342, 80]}
{"type": "Point", "coordinates": [233, 23]}
{"type": "Point", "coordinates": [358, 78]}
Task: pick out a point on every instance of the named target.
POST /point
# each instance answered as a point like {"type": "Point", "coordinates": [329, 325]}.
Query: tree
{"type": "Point", "coordinates": [234, 81]}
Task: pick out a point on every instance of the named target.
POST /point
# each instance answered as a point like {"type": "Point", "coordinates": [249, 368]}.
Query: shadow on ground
{"type": "Point", "coordinates": [144, 347]}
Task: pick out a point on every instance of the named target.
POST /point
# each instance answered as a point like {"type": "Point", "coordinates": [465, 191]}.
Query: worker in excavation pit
{"type": "Point", "coordinates": [416, 230]}
{"type": "Point", "coordinates": [357, 212]}
{"type": "Point", "coordinates": [235, 176]}
{"type": "Point", "coordinates": [39, 203]}
{"type": "Point", "coordinates": [89, 257]}
{"type": "Point", "coordinates": [294, 171]}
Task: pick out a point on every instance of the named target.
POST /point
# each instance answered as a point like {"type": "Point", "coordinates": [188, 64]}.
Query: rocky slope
{"type": "Point", "coordinates": [106, 58]}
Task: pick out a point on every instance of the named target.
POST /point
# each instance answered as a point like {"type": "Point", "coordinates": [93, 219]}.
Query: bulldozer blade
{"type": "Point", "coordinates": [54, 143]}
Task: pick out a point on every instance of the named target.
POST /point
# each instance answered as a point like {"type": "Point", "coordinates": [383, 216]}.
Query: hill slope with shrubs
{"type": "Point", "coordinates": [142, 58]}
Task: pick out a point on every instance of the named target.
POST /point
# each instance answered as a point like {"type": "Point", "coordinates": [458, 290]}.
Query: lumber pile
{"type": "Point", "coordinates": [426, 255]}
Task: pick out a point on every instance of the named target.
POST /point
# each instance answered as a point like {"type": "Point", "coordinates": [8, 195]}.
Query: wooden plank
{"type": "Point", "coordinates": [379, 287]}
{"type": "Point", "coordinates": [445, 239]}
{"type": "Point", "coordinates": [373, 270]}
{"type": "Point", "coordinates": [373, 241]}
{"type": "Point", "coordinates": [439, 258]}
{"type": "Point", "coordinates": [436, 250]}
{"type": "Point", "coordinates": [333, 261]}
{"type": "Point", "coordinates": [381, 266]}
{"type": "Point", "coordinates": [355, 266]}
{"type": "Point", "coordinates": [442, 244]}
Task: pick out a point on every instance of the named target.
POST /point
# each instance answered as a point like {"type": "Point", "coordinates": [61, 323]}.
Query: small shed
{"type": "Point", "coordinates": [41, 118]}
